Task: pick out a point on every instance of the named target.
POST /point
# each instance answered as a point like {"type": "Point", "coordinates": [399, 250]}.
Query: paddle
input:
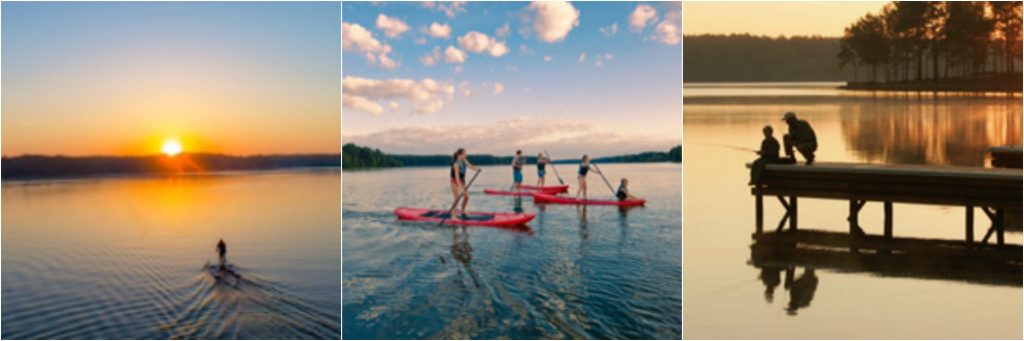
{"type": "Point", "coordinates": [459, 197]}
{"type": "Point", "coordinates": [552, 163]}
{"type": "Point", "coordinates": [603, 178]}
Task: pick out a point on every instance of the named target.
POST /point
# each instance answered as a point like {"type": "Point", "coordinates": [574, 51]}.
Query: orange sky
{"type": "Point", "coordinates": [774, 18]}
{"type": "Point", "coordinates": [119, 78]}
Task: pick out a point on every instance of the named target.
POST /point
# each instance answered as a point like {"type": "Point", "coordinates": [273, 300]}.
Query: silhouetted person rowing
{"type": "Point", "coordinates": [801, 137]}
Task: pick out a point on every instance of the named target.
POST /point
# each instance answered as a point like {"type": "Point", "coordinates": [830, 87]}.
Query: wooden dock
{"type": "Point", "coordinates": [991, 191]}
{"type": "Point", "coordinates": [1006, 156]}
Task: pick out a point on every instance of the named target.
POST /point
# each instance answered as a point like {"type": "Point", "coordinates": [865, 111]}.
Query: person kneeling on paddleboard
{"type": "Point", "coordinates": [517, 171]}
{"type": "Point", "coordinates": [541, 164]}
{"type": "Point", "coordinates": [582, 177]}
{"type": "Point", "coordinates": [623, 192]}
{"type": "Point", "coordinates": [222, 252]}
{"type": "Point", "coordinates": [458, 179]}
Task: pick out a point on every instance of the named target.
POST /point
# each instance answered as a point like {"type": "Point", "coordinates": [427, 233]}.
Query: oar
{"type": "Point", "coordinates": [552, 163]}
{"type": "Point", "coordinates": [599, 172]}
{"type": "Point", "coordinates": [459, 197]}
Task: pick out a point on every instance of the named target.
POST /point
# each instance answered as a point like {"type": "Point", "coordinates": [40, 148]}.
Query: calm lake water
{"type": "Point", "coordinates": [123, 258]}
{"type": "Point", "coordinates": [598, 273]}
{"type": "Point", "coordinates": [725, 297]}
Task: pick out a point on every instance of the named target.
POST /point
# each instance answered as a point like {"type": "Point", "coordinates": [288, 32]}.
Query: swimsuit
{"type": "Point", "coordinates": [462, 172]}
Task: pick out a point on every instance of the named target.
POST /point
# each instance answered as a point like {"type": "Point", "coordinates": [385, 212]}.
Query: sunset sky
{"type": "Point", "coordinates": [774, 18]}
{"type": "Point", "coordinates": [119, 78]}
{"type": "Point", "coordinates": [593, 77]}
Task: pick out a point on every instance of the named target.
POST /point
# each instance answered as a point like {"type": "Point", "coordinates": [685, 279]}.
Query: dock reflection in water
{"type": "Point", "coordinates": [725, 286]}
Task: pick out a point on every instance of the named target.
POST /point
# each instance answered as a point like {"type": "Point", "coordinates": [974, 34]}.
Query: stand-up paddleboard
{"type": "Point", "coordinates": [496, 219]}
{"type": "Point", "coordinates": [228, 272]}
{"type": "Point", "coordinates": [523, 193]}
{"type": "Point", "coordinates": [554, 199]}
{"type": "Point", "coordinates": [547, 189]}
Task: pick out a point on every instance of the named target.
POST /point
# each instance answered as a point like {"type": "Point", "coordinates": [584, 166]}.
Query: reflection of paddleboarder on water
{"type": "Point", "coordinates": [462, 251]}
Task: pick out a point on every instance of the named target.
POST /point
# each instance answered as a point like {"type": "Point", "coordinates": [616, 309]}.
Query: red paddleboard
{"type": "Point", "coordinates": [497, 219]}
{"type": "Point", "coordinates": [548, 189]}
{"type": "Point", "coordinates": [554, 199]}
{"type": "Point", "coordinates": [524, 192]}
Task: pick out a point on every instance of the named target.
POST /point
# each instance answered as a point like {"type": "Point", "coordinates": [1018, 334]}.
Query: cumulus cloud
{"type": "Point", "coordinates": [553, 19]}
{"type": "Point", "coordinates": [669, 30]}
{"type": "Point", "coordinates": [431, 58]}
{"type": "Point", "coordinates": [610, 30]}
{"type": "Point", "coordinates": [392, 27]}
{"type": "Point", "coordinates": [437, 30]}
{"type": "Point", "coordinates": [477, 42]}
{"type": "Point", "coordinates": [426, 96]}
{"type": "Point", "coordinates": [454, 55]}
{"type": "Point", "coordinates": [498, 88]}
{"type": "Point", "coordinates": [601, 58]}
{"type": "Point", "coordinates": [449, 8]}
{"type": "Point", "coordinates": [641, 16]}
{"type": "Point", "coordinates": [503, 30]}
{"type": "Point", "coordinates": [547, 58]}
{"type": "Point", "coordinates": [566, 138]}
{"type": "Point", "coordinates": [358, 39]}
{"type": "Point", "coordinates": [582, 58]}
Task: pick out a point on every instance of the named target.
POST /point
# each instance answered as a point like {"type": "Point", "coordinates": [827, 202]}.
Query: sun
{"type": "Point", "coordinates": [171, 147]}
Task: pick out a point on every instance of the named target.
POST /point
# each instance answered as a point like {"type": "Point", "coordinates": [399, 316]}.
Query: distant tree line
{"type": "Point", "coordinates": [934, 40]}
{"type": "Point", "coordinates": [356, 157]}
{"type": "Point", "coordinates": [40, 166]}
{"type": "Point", "coordinates": [749, 58]}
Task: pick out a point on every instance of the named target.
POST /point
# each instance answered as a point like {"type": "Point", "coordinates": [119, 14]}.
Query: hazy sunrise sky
{"type": "Point", "coordinates": [584, 77]}
{"type": "Point", "coordinates": [808, 18]}
{"type": "Point", "coordinates": [115, 78]}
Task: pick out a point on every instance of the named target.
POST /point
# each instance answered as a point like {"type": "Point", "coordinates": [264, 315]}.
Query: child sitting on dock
{"type": "Point", "coordinates": [769, 153]}
{"type": "Point", "coordinates": [623, 193]}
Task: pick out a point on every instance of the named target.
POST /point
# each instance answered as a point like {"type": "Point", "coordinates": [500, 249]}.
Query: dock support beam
{"type": "Point", "coordinates": [888, 219]}
{"type": "Point", "coordinates": [759, 214]}
{"type": "Point", "coordinates": [854, 218]}
{"type": "Point", "coordinates": [792, 214]}
{"type": "Point", "coordinates": [997, 215]}
{"type": "Point", "coordinates": [969, 229]}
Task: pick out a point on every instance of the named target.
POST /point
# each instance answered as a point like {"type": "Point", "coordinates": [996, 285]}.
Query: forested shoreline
{"type": "Point", "coordinates": [43, 166]}
{"type": "Point", "coordinates": [358, 157]}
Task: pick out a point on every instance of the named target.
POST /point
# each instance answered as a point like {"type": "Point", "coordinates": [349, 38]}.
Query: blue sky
{"type": "Point", "coordinates": [593, 77]}
{"type": "Point", "coordinates": [86, 78]}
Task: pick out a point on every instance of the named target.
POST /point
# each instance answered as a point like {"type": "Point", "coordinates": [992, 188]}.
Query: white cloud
{"type": "Point", "coordinates": [641, 16]}
{"type": "Point", "coordinates": [420, 41]}
{"type": "Point", "coordinates": [610, 30]}
{"type": "Point", "coordinates": [465, 88]}
{"type": "Point", "coordinates": [437, 30]}
{"type": "Point", "coordinates": [582, 58]}
{"type": "Point", "coordinates": [454, 55]}
{"type": "Point", "coordinates": [669, 30]}
{"type": "Point", "coordinates": [547, 58]}
{"type": "Point", "coordinates": [431, 58]}
{"type": "Point", "coordinates": [601, 58]}
{"type": "Point", "coordinates": [503, 30]}
{"type": "Point", "coordinates": [359, 39]}
{"type": "Point", "coordinates": [554, 19]}
{"type": "Point", "coordinates": [392, 27]}
{"type": "Point", "coordinates": [393, 105]}
{"type": "Point", "coordinates": [479, 43]}
{"type": "Point", "coordinates": [427, 96]}
{"type": "Point", "coordinates": [450, 8]}
{"type": "Point", "coordinates": [498, 88]}
{"type": "Point", "coordinates": [566, 138]}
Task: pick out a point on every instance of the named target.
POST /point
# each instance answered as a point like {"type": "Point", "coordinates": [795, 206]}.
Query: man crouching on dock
{"type": "Point", "coordinates": [801, 136]}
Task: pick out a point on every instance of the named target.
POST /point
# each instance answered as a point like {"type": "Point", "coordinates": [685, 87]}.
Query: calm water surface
{"type": "Point", "coordinates": [725, 297]}
{"type": "Point", "coordinates": [598, 273]}
{"type": "Point", "coordinates": [123, 258]}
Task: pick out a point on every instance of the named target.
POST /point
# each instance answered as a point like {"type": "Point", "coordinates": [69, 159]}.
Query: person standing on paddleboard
{"type": "Point", "coordinates": [458, 178]}
{"type": "Point", "coordinates": [222, 254]}
{"type": "Point", "coordinates": [517, 171]}
{"type": "Point", "coordinates": [582, 177]}
{"type": "Point", "coordinates": [541, 163]}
